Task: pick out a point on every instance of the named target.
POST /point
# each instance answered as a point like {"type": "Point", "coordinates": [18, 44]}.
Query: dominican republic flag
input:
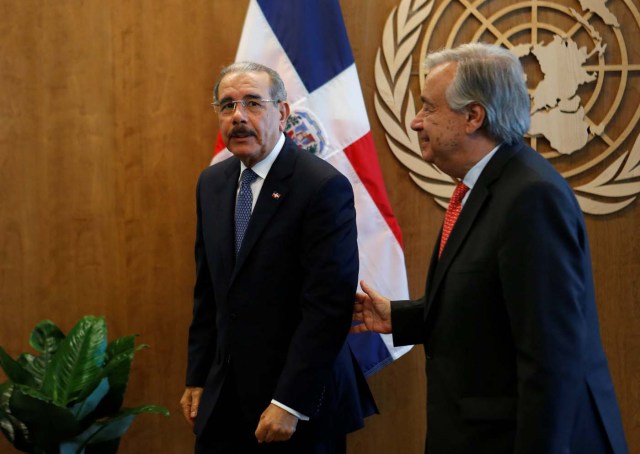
{"type": "Point", "coordinates": [306, 42]}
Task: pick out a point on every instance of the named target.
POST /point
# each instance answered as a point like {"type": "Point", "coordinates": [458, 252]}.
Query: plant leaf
{"type": "Point", "coordinates": [6, 389]}
{"type": "Point", "coordinates": [15, 372]}
{"type": "Point", "coordinates": [76, 367]}
{"type": "Point", "coordinates": [119, 375]}
{"type": "Point", "coordinates": [6, 426]}
{"type": "Point", "coordinates": [150, 409]}
{"type": "Point", "coordinates": [105, 430]}
{"type": "Point", "coordinates": [118, 361]}
{"type": "Point", "coordinates": [48, 424]}
{"type": "Point", "coordinates": [14, 430]}
{"type": "Point", "coordinates": [71, 447]}
{"type": "Point", "coordinates": [115, 427]}
{"type": "Point", "coordinates": [46, 337]}
{"type": "Point", "coordinates": [34, 365]}
{"type": "Point", "coordinates": [16, 433]}
{"type": "Point", "coordinates": [88, 405]}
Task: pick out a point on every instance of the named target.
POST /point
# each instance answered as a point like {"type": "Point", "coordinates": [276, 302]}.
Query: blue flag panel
{"type": "Point", "coordinates": [313, 35]}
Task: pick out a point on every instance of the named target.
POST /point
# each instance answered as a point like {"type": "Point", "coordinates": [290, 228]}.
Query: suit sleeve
{"type": "Point", "coordinates": [545, 270]}
{"type": "Point", "coordinates": [407, 322]}
{"type": "Point", "coordinates": [329, 260]}
{"type": "Point", "coordinates": [202, 332]}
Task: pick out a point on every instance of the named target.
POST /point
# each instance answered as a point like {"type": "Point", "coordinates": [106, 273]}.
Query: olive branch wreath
{"type": "Point", "coordinates": [394, 103]}
{"type": "Point", "coordinates": [613, 183]}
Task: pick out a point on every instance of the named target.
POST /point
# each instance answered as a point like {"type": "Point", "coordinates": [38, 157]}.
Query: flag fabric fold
{"type": "Point", "coordinates": [306, 42]}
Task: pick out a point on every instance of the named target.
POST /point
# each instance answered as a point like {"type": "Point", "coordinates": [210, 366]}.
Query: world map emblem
{"type": "Point", "coordinates": [580, 69]}
{"type": "Point", "coordinates": [305, 130]}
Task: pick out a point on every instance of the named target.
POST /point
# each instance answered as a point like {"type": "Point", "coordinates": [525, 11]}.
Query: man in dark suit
{"type": "Point", "coordinates": [514, 358]}
{"type": "Point", "coordinates": [276, 271]}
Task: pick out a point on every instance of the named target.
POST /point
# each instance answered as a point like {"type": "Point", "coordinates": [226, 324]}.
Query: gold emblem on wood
{"type": "Point", "coordinates": [580, 74]}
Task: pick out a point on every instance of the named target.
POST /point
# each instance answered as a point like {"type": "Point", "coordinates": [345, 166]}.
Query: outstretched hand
{"type": "Point", "coordinates": [373, 310]}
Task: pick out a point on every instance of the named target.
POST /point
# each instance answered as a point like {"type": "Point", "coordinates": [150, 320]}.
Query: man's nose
{"type": "Point", "coordinates": [239, 113]}
{"type": "Point", "coordinates": [416, 123]}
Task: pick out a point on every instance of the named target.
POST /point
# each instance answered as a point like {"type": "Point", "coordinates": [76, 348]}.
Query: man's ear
{"type": "Point", "coordinates": [476, 115]}
{"type": "Point", "coordinates": [285, 110]}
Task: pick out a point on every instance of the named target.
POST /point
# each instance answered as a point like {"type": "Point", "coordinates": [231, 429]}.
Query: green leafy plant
{"type": "Point", "coordinates": [67, 399]}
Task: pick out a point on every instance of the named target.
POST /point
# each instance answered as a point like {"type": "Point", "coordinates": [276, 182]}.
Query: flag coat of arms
{"type": "Point", "coordinates": [306, 42]}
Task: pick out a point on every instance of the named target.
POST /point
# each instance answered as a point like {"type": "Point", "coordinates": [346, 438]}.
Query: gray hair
{"type": "Point", "coordinates": [493, 77]}
{"type": "Point", "coordinates": [276, 91]}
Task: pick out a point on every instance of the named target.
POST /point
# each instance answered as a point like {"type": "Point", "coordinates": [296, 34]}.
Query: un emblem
{"type": "Point", "coordinates": [572, 52]}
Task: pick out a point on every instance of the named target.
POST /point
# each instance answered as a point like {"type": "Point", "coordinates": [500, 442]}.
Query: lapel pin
{"type": "Point", "coordinates": [276, 195]}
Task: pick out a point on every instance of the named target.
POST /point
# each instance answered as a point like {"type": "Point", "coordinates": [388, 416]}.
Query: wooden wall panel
{"type": "Point", "coordinates": [104, 127]}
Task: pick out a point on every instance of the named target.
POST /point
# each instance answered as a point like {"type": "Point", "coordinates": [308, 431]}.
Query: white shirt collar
{"type": "Point", "coordinates": [473, 174]}
{"type": "Point", "coordinates": [262, 168]}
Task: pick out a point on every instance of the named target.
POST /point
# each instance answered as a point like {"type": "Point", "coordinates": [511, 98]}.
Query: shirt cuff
{"type": "Point", "coordinates": [300, 416]}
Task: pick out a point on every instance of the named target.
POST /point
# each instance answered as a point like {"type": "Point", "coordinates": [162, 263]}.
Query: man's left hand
{"type": "Point", "coordinates": [276, 424]}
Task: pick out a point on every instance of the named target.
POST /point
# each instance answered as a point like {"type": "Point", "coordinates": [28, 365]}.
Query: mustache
{"type": "Point", "coordinates": [241, 131]}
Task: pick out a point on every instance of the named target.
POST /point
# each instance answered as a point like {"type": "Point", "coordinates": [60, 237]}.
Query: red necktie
{"type": "Point", "coordinates": [453, 210]}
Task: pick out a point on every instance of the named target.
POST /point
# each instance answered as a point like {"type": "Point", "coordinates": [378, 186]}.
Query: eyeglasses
{"type": "Point", "coordinates": [250, 105]}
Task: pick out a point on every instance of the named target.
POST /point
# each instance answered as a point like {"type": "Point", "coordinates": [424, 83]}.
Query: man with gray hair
{"type": "Point", "coordinates": [514, 359]}
{"type": "Point", "coordinates": [268, 369]}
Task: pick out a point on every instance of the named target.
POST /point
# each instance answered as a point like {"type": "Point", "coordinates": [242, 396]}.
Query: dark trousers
{"type": "Point", "coordinates": [229, 432]}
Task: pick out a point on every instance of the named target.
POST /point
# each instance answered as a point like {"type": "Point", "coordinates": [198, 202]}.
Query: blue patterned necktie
{"type": "Point", "coordinates": [243, 205]}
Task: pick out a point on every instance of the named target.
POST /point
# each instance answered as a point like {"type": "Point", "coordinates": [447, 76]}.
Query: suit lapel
{"type": "Point", "coordinates": [273, 192]}
{"type": "Point", "coordinates": [227, 205]}
{"type": "Point", "coordinates": [438, 267]}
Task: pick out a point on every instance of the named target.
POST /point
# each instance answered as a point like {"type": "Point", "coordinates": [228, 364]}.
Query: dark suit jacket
{"type": "Point", "coordinates": [275, 319]}
{"type": "Point", "coordinates": [514, 357]}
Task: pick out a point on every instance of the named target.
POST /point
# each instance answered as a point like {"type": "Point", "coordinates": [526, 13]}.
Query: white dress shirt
{"type": "Point", "coordinates": [473, 174]}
